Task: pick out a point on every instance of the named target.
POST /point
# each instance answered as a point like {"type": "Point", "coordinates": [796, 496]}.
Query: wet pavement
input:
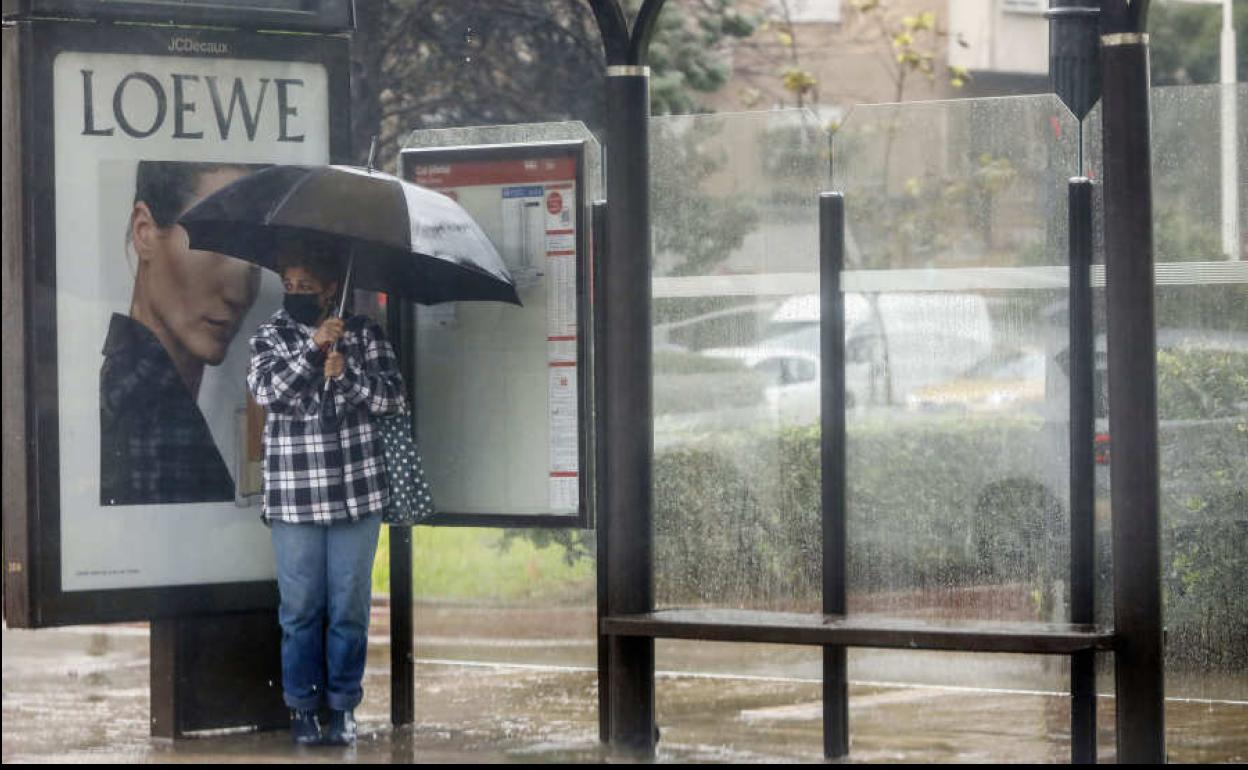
{"type": "Point", "coordinates": [526, 692]}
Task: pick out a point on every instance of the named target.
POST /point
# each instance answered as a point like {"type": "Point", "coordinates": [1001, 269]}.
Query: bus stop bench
{"type": "Point", "coordinates": [861, 630]}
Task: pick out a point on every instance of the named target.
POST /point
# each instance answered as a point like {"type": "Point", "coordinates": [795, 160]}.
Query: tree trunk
{"type": "Point", "coordinates": [366, 54]}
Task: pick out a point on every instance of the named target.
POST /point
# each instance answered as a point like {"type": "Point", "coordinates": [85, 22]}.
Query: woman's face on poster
{"type": "Point", "coordinates": [200, 297]}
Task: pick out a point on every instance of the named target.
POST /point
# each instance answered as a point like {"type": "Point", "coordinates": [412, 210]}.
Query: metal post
{"type": "Point", "coordinates": [598, 253]}
{"type": "Point", "coordinates": [1138, 663]}
{"type": "Point", "coordinates": [1230, 138]}
{"type": "Point", "coordinates": [1082, 470]}
{"type": "Point", "coordinates": [832, 455]}
{"type": "Point", "coordinates": [401, 318]}
{"type": "Point", "coordinates": [627, 412]}
{"type": "Point", "coordinates": [402, 650]}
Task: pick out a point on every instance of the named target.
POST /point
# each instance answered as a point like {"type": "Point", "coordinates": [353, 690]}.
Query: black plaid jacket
{"type": "Point", "coordinates": [323, 459]}
{"type": "Point", "coordinates": [155, 446]}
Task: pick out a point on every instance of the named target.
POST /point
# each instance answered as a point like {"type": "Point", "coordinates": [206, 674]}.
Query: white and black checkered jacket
{"type": "Point", "coordinates": [323, 459]}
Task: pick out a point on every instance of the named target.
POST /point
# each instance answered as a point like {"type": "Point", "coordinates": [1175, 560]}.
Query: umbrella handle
{"type": "Point", "coordinates": [342, 303]}
{"type": "Point", "coordinates": [346, 284]}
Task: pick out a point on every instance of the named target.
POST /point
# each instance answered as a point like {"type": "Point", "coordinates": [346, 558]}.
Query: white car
{"type": "Point", "coordinates": [895, 345]}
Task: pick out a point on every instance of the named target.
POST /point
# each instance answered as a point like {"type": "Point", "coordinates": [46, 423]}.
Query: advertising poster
{"type": "Point", "coordinates": [152, 336]}
{"type": "Point", "coordinates": [498, 395]}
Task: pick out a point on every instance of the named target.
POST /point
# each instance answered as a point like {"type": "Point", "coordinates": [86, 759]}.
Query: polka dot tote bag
{"type": "Point", "coordinates": [410, 500]}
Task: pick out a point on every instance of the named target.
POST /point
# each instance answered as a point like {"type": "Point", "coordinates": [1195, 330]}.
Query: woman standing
{"type": "Point", "coordinates": [324, 485]}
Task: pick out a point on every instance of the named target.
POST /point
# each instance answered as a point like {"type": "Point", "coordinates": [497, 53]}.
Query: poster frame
{"type": "Point", "coordinates": [32, 517]}
{"type": "Point", "coordinates": [536, 150]}
{"type": "Point", "coordinates": [306, 15]}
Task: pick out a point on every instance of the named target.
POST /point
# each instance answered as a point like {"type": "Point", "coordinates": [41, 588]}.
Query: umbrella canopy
{"type": "Point", "coordinates": [402, 238]}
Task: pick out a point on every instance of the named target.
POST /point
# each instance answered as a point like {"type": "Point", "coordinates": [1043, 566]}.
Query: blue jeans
{"type": "Point", "coordinates": [324, 574]}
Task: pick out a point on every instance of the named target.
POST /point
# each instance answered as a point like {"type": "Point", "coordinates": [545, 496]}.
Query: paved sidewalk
{"type": "Point", "coordinates": [528, 692]}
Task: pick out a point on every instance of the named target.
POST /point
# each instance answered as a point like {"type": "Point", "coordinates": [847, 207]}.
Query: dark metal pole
{"type": "Point", "coordinates": [1082, 470]}
{"type": "Point", "coordinates": [1138, 662]}
{"type": "Point", "coordinates": [401, 318]}
{"type": "Point", "coordinates": [402, 649]}
{"type": "Point", "coordinates": [832, 451]}
{"type": "Point", "coordinates": [598, 252]}
{"type": "Point", "coordinates": [628, 432]}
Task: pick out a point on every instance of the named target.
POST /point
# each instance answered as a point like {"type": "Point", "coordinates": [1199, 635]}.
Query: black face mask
{"type": "Point", "coordinates": [304, 308]}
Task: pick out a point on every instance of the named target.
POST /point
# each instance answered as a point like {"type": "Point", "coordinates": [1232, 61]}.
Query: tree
{"type": "Point", "coordinates": [914, 40]}
{"type": "Point", "coordinates": [794, 78]}
{"type": "Point", "coordinates": [912, 222]}
{"type": "Point", "coordinates": [1184, 40]}
{"type": "Point", "coordinates": [710, 227]}
{"type": "Point", "coordinates": [688, 54]}
{"type": "Point", "coordinates": [436, 63]}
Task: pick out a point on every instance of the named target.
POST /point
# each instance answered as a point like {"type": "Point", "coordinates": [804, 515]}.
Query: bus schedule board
{"type": "Point", "coordinates": [502, 391]}
{"type": "Point", "coordinates": [130, 467]}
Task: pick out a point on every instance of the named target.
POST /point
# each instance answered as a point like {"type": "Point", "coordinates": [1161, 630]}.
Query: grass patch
{"type": "Point", "coordinates": [470, 564]}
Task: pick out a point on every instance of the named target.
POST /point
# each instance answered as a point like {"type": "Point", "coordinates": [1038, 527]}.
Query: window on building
{"type": "Point", "coordinates": [804, 11]}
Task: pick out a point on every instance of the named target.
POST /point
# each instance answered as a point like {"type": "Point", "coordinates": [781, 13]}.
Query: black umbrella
{"type": "Point", "coordinates": [402, 238]}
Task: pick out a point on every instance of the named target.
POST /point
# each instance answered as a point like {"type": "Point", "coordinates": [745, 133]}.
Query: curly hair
{"type": "Point", "coordinates": [313, 255]}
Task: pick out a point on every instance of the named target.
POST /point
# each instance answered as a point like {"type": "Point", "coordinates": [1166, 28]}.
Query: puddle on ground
{"type": "Point", "coordinates": [67, 698]}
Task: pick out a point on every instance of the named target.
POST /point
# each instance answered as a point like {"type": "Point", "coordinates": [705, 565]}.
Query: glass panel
{"type": "Point", "coordinates": [958, 484]}
{"type": "Point", "coordinates": [1202, 398]}
{"type": "Point", "coordinates": [958, 449]}
{"type": "Point", "coordinates": [969, 183]}
{"type": "Point", "coordinates": [1189, 158]}
{"type": "Point", "coordinates": [1202, 376]}
{"type": "Point", "coordinates": [736, 396]}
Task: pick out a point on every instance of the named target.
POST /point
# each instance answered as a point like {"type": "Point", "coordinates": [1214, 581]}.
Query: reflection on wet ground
{"type": "Point", "coordinates": [81, 694]}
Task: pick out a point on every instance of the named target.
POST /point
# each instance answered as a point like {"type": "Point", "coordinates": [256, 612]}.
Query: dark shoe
{"type": "Point", "coordinates": [305, 730]}
{"type": "Point", "coordinates": [341, 730]}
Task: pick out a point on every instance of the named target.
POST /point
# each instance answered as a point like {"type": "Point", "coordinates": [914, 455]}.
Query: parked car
{"type": "Point", "coordinates": [895, 345]}
{"type": "Point", "coordinates": [1007, 379]}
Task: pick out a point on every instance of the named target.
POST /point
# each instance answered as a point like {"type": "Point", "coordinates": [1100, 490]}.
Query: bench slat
{"type": "Point", "coordinates": [731, 625]}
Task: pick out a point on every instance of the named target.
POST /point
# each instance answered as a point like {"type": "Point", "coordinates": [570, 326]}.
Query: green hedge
{"type": "Point", "coordinates": [936, 504]}
{"type": "Point", "coordinates": [1202, 384]}
{"type": "Point", "coordinates": [1206, 584]}
{"type": "Point", "coordinates": [738, 520]}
